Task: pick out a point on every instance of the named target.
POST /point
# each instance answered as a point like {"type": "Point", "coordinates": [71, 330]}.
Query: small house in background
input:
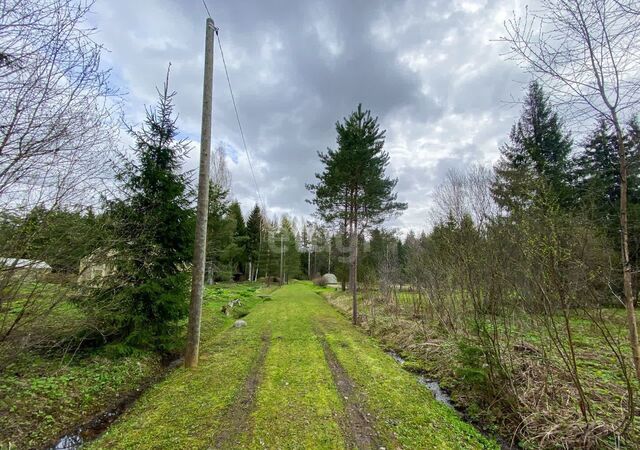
{"type": "Point", "coordinates": [96, 266]}
{"type": "Point", "coordinates": [330, 279]}
{"type": "Point", "coordinates": [23, 267]}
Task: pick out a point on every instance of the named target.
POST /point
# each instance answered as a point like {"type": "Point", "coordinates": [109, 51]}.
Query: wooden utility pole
{"type": "Point", "coordinates": [281, 258]}
{"type": "Point", "coordinates": [309, 261]}
{"type": "Point", "coordinates": [199, 250]}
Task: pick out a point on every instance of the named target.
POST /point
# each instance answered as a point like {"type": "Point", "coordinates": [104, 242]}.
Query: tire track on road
{"type": "Point", "coordinates": [234, 422]}
{"type": "Point", "coordinates": [357, 426]}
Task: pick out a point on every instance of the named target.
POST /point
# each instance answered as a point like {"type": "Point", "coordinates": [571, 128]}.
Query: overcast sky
{"type": "Point", "coordinates": [428, 69]}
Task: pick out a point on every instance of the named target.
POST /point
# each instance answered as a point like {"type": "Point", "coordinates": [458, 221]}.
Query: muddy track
{"type": "Point", "coordinates": [234, 422]}
{"type": "Point", "coordinates": [357, 426]}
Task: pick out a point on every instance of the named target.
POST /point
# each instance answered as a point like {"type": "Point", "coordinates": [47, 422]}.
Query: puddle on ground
{"type": "Point", "coordinates": [100, 423]}
{"type": "Point", "coordinates": [71, 442]}
{"type": "Point", "coordinates": [433, 385]}
{"type": "Point", "coordinates": [91, 430]}
{"type": "Point", "coordinates": [441, 396]}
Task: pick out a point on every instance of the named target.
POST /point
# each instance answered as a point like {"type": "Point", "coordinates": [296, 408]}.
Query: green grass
{"type": "Point", "coordinates": [457, 361]}
{"type": "Point", "coordinates": [43, 395]}
{"type": "Point", "coordinates": [45, 315]}
{"type": "Point", "coordinates": [40, 399]}
{"type": "Point", "coordinates": [296, 405]}
{"type": "Point", "coordinates": [403, 408]}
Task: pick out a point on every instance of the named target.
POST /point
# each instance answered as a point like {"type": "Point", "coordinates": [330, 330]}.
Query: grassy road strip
{"type": "Point", "coordinates": [298, 405]}
{"type": "Point", "coordinates": [234, 422]}
{"type": "Point", "coordinates": [322, 385]}
{"type": "Point", "coordinates": [357, 425]}
{"type": "Point", "coordinates": [186, 409]}
{"type": "Point", "coordinates": [404, 410]}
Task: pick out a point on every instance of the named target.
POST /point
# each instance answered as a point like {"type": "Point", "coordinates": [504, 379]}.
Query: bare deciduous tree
{"type": "Point", "coordinates": [587, 52]}
{"type": "Point", "coordinates": [56, 105]}
{"type": "Point", "coordinates": [57, 130]}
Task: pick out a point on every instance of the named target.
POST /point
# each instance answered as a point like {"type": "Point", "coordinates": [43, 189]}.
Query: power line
{"type": "Point", "coordinates": [207, 8]}
{"type": "Point", "coordinates": [235, 107]}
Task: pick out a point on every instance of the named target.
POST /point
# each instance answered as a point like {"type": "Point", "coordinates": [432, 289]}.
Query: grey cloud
{"type": "Point", "coordinates": [298, 67]}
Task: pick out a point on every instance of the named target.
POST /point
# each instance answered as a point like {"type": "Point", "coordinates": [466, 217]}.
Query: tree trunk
{"type": "Point", "coordinates": [624, 248]}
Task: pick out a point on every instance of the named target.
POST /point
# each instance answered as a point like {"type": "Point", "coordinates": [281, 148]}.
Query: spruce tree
{"type": "Point", "coordinates": [153, 224]}
{"type": "Point", "coordinates": [237, 252]}
{"type": "Point", "coordinates": [535, 161]}
{"type": "Point", "coordinates": [597, 174]}
{"type": "Point", "coordinates": [219, 233]}
{"type": "Point", "coordinates": [253, 230]}
{"type": "Point", "coordinates": [598, 177]}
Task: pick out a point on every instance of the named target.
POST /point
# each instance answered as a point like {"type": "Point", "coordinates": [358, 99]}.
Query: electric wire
{"type": "Point", "coordinates": [235, 107]}
{"type": "Point", "coordinates": [244, 141]}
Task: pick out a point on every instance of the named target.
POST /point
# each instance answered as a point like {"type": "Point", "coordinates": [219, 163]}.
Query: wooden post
{"type": "Point", "coordinates": [309, 261]}
{"type": "Point", "coordinates": [281, 258]}
{"type": "Point", "coordinates": [199, 250]}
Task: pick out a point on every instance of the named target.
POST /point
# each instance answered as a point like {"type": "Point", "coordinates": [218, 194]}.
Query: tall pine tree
{"type": "Point", "coordinates": [353, 188]}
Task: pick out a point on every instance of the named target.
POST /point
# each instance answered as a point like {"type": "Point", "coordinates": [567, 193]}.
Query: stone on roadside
{"type": "Point", "coordinates": [240, 323]}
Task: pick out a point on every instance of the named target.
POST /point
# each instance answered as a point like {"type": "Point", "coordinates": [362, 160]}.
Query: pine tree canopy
{"type": "Point", "coordinates": [353, 185]}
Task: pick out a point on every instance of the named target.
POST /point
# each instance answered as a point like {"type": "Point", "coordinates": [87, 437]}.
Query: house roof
{"type": "Point", "coordinates": [17, 263]}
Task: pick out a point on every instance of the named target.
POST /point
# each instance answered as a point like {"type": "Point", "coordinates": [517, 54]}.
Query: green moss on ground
{"type": "Point", "coordinates": [296, 404]}
{"type": "Point", "coordinates": [43, 396]}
